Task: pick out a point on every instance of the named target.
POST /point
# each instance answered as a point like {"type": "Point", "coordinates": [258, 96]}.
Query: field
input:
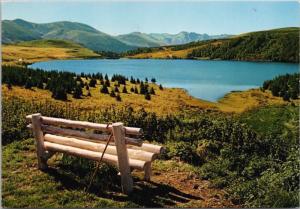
{"type": "Point", "coordinates": [164, 102]}
{"type": "Point", "coordinates": [43, 50]}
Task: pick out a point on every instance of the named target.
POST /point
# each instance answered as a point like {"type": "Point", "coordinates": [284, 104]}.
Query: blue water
{"type": "Point", "coordinates": [209, 80]}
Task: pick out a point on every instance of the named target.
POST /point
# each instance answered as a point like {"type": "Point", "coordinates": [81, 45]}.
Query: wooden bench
{"type": "Point", "coordinates": [78, 138]}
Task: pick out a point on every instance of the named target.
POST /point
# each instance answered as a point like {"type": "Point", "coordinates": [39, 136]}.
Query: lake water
{"type": "Point", "coordinates": [209, 80]}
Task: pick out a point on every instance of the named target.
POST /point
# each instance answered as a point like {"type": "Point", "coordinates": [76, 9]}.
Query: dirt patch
{"type": "Point", "coordinates": [185, 190]}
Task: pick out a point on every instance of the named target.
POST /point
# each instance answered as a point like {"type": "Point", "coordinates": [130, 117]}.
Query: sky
{"type": "Point", "coordinates": [119, 17]}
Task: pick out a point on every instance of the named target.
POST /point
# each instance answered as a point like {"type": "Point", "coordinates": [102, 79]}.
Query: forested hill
{"type": "Point", "coordinates": [280, 45]}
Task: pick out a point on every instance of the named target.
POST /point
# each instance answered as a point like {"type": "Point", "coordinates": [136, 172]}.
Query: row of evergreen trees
{"type": "Point", "coordinates": [285, 86]}
{"type": "Point", "coordinates": [63, 83]}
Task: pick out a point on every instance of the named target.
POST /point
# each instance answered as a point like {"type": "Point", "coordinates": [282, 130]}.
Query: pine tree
{"type": "Point", "coordinates": [89, 94]}
{"type": "Point", "coordinates": [28, 84]}
{"type": "Point", "coordinates": [40, 84]}
{"type": "Point", "coordinates": [77, 92]}
{"type": "Point", "coordinates": [116, 89]}
{"type": "Point", "coordinates": [106, 77]}
{"type": "Point", "coordinates": [136, 90]}
{"type": "Point", "coordinates": [59, 93]}
{"type": "Point", "coordinates": [124, 90]}
{"type": "Point", "coordinates": [93, 82]}
{"type": "Point", "coordinates": [107, 83]}
{"type": "Point", "coordinates": [152, 91]}
{"type": "Point", "coordinates": [160, 87]}
{"type": "Point", "coordinates": [147, 96]}
{"type": "Point", "coordinates": [132, 89]}
{"type": "Point", "coordinates": [112, 93]}
{"type": "Point", "coordinates": [87, 87]}
{"type": "Point", "coordinates": [118, 98]}
{"type": "Point", "coordinates": [104, 89]}
{"type": "Point", "coordinates": [153, 80]}
{"type": "Point", "coordinates": [142, 88]}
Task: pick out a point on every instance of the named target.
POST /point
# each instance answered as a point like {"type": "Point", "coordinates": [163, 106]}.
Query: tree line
{"type": "Point", "coordinates": [285, 86]}
{"type": "Point", "coordinates": [62, 83]}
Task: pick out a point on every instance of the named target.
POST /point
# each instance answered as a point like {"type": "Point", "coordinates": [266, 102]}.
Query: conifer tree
{"type": "Point", "coordinates": [77, 92]}
{"type": "Point", "coordinates": [93, 82]}
{"type": "Point", "coordinates": [112, 93]}
{"type": "Point", "coordinates": [107, 83]}
{"type": "Point", "coordinates": [152, 91]}
{"type": "Point", "coordinates": [28, 84]}
{"type": "Point", "coordinates": [131, 89]}
{"type": "Point", "coordinates": [104, 89]}
{"type": "Point", "coordinates": [160, 87]}
{"type": "Point", "coordinates": [124, 90]}
{"type": "Point", "coordinates": [118, 98]}
{"type": "Point", "coordinates": [136, 90]}
{"type": "Point", "coordinates": [147, 96]}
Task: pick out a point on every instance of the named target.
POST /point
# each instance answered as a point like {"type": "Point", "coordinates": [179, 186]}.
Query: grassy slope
{"type": "Point", "coordinates": [184, 51]}
{"type": "Point", "coordinates": [172, 185]}
{"type": "Point", "coordinates": [42, 50]}
{"type": "Point", "coordinates": [167, 101]}
{"type": "Point", "coordinates": [20, 30]}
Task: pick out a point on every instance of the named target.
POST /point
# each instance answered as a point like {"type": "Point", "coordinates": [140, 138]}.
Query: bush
{"type": "Point", "coordinates": [104, 89]}
{"type": "Point", "coordinates": [147, 96]}
{"type": "Point", "coordinates": [118, 98]}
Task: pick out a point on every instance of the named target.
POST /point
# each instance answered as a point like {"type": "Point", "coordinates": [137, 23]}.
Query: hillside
{"type": "Point", "coordinates": [41, 50]}
{"type": "Point", "coordinates": [273, 45]}
{"type": "Point", "coordinates": [164, 39]}
{"type": "Point", "coordinates": [20, 30]}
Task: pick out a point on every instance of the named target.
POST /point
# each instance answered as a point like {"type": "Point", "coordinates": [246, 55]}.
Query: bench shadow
{"type": "Point", "coordinates": [145, 194]}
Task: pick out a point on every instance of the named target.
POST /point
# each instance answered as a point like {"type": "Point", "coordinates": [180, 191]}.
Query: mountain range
{"type": "Point", "coordinates": [19, 30]}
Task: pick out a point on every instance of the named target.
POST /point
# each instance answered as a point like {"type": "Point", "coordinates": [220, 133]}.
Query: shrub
{"type": "Point", "coordinates": [104, 89]}
{"type": "Point", "coordinates": [118, 98]}
{"type": "Point", "coordinates": [147, 96]}
{"type": "Point", "coordinates": [93, 82]}
{"type": "Point", "coordinates": [112, 93]}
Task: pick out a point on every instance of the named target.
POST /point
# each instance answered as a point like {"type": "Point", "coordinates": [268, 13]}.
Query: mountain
{"type": "Point", "coordinates": [140, 40]}
{"type": "Point", "coordinates": [281, 45]}
{"type": "Point", "coordinates": [165, 39]}
{"type": "Point", "coordinates": [20, 30]}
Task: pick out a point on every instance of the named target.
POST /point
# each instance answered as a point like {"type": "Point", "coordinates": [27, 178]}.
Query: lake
{"type": "Point", "coordinates": [205, 79]}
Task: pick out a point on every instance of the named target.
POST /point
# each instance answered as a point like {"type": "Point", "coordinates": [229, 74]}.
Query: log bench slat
{"type": "Point", "coordinates": [108, 158]}
{"type": "Point", "coordinates": [73, 142]}
{"type": "Point", "coordinates": [83, 124]}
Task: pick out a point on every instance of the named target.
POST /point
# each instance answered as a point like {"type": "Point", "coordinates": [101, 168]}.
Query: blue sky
{"type": "Point", "coordinates": [230, 17]}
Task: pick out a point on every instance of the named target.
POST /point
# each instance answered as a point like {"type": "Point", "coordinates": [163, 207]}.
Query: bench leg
{"type": "Point", "coordinates": [39, 138]}
{"type": "Point", "coordinates": [148, 171]}
{"type": "Point", "coordinates": [42, 162]}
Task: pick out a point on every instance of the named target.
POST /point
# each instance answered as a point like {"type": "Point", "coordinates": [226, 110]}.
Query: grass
{"type": "Point", "coordinates": [43, 50]}
{"type": "Point", "coordinates": [166, 101]}
{"type": "Point", "coordinates": [23, 185]}
{"type": "Point", "coordinates": [283, 120]}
